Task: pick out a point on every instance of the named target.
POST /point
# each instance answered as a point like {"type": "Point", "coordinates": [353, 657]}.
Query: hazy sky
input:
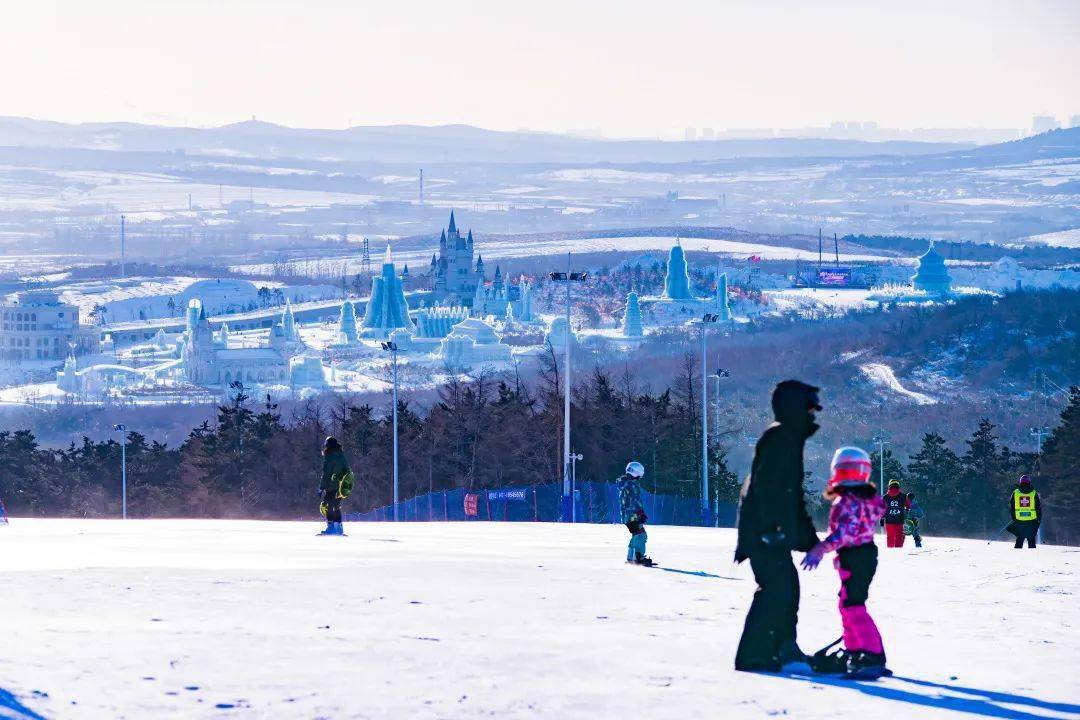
{"type": "Point", "coordinates": [633, 68]}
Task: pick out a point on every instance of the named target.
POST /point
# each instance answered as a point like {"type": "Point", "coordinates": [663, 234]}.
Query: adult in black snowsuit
{"type": "Point", "coordinates": [1025, 509]}
{"type": "Point", "coordinates": [773, 522]}
{"type": "Point", "coordinates": [334, 468]}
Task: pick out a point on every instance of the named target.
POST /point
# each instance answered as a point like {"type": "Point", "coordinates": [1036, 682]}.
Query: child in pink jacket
{"type": "Point", "coordinates": [856, 510]}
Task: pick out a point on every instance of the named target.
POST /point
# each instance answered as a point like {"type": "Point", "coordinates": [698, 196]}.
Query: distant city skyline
{"type": "Point", "coordinates": [623, 69]}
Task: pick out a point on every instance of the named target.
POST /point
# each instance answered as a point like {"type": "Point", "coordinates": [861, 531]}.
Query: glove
{"type": "Point", "coordinates": [812, 558]}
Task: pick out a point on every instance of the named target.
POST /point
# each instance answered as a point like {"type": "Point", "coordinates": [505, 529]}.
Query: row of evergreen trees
{"type": "Point", "coordinates": [492, 432]}
{"type": "Point", "coordinates": [488, 432]}
{"type": "Point", "coordinates": [969, 493]}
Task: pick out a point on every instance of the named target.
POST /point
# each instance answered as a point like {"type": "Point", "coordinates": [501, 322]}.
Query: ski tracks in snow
{"type": "Point", "coordinates": [882, 375]}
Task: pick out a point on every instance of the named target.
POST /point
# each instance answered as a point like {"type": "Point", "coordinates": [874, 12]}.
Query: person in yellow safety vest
{"type": "Point", "coordinates": [1025, 508]}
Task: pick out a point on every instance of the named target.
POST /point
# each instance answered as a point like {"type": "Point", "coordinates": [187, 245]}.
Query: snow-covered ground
{"type": "Point", "coordinates": [239, 619]}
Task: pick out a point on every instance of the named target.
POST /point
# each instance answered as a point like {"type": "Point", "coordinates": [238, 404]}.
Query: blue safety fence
{"type": "Point", "coordinates": [596, 503]}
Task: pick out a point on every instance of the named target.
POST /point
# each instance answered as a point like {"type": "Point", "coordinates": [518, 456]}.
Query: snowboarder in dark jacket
{"type": "Point", "coordinates": [915, 514]}
{"type": "Point", "coordinates": [633, 514]}
{"type": "Point", "coordinates": [773, 521]}
{"type": "Point", "coordinates": [334, 469]}
{"type": "Point", "coordinates": [1025, 509]}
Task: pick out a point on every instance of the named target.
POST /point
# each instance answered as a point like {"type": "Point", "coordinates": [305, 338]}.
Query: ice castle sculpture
{"type": "Point", "coordinates": [931, 276]}
{"type": "Point", "coordinates": [490, 299]}
{"type": "Point", "coordinates": [472, 341]}
{"type": "Point", "coordinates": [677, 281]}
{"type": "Point", "coordinates": [288, 323]}
{"type": "Point", "coordinates": [631, 322]}
{"type": "Point", "coordinates": [723, 308]}
{"type": "Point", "coordinates": [347, 324]}
{"type": "Point", "coordinates": [68, 379]}
{"type": "Point", "coordinates": [524, 310]}
{"type": "Point", "coordinates": [306, 371]}
{"type": "Point", "coordinates": [402, 338]}
{"type": "Point", "coordinates": [558, 333]}
{"type": "Point", "coordinates": [437, 322]}
{"type": "Point", "coordinates": [387, 308]}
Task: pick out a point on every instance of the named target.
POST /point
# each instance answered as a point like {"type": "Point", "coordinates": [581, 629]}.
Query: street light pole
{"type": "Point", "coordinates": [567, 470]}
{"type": "Point", "coordinates": [567, 501]}
{"type": "Point", "coordinates": [574, 457]}
{"type": "Point", "coordinates": [706, 319]}
{"type": "Point", "coordinates": [123, 469]}
{"type": "Point", "coordinates": [881, 442]}
{"type": "Point", "coordinates": [721, 373]}
{"type": "Point", "coordinates": [392, 348]}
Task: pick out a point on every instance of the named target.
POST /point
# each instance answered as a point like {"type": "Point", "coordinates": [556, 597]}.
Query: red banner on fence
{"type": "Point", "coordinates": [471, 504]}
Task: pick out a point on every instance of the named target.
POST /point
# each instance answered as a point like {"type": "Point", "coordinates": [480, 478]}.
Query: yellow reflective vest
{"type": "Point", "coordinates": [1024, 506]}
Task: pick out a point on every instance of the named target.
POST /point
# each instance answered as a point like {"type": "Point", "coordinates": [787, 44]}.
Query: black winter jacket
{"type": "Point", "coordinates": [772, 512]}
{"type": "Point", "coordinates": [334, 466]}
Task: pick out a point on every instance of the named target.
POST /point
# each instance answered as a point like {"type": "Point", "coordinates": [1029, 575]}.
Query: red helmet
{"type": "Point", "coordinates": [1024, 479]}
{"type": "Point", "coordinates": [851, 467]}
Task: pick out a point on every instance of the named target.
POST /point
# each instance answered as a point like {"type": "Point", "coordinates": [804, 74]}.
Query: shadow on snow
{"type": "Point", "coordinates": [10, 704]}
{"type": "Point", "coordinates": [988, 703]}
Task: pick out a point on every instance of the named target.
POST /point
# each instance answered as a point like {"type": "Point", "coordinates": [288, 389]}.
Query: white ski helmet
{"type": "Point", "coordinates": [635, 469]}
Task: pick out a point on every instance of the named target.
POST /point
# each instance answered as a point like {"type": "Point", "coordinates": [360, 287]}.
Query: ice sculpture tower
{"type": "Point", "coordinates": [677, 281]}
{"type": "Point", "coordinates": [387, 307]}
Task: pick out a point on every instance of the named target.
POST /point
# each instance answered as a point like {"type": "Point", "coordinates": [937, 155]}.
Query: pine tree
{"type": "Point", "coordinates": [1061, 473]}
{"type": "Point", "coordinates": [934, 475]}
{"type": "Point", "coordinates": [984, 475]}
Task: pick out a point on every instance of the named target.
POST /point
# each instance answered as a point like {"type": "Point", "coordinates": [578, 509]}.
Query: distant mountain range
{"type": "Point", "coordinates": [438, 144]}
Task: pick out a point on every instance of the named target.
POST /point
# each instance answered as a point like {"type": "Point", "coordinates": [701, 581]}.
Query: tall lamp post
{"type": "Point", "coordinates": [574, 458]}
{"type": "Point", "coordinates": [720, 374]}
{"type": "Point", "coordinates": [881, 442]}
{"type": "Point", "coordinates": [706, 320]}
{"type": "Point", "coordinates": [392, 348]}
{"type": "Point", "coordinates": [567, 277]}
{"type": "Point", "coordinates": [122, 429]}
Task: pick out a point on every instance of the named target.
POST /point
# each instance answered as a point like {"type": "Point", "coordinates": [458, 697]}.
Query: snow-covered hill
{"type": "Point", "coordinates": [245, 619]}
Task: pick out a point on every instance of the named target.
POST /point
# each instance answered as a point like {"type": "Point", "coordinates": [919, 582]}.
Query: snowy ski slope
{"type": "Point", "coordinates": [239, 619]}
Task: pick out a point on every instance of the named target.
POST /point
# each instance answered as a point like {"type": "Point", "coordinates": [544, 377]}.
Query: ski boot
{"type": "Point", "coordinates": [863, 665]}
{"type": "Point", "coordinates": [645, 560]}
{"type": "Point", "coordinates": [824, 662]}
{"type": "Point", "coordinates": [793, 659]}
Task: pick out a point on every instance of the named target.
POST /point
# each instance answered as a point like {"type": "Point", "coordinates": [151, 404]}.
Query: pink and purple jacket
{"type": "Point", "coordinates": [852, 521]}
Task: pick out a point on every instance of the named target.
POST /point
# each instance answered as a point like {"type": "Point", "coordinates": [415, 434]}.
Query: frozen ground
{"type": "Point", "coordinates": [236, 619]}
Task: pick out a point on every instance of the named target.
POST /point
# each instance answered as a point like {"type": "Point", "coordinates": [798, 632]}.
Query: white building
{"type": "Point", "coordinates": [36, 325]}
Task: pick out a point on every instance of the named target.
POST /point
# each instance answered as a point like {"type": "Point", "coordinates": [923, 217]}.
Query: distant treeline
{"type": "Point", "coordinates": [490, 433]}
{"type": "Point", "coordinates": [1032, 255]}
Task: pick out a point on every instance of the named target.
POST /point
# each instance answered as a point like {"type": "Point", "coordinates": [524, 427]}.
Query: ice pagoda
{"type": "Point", "coordinates": [931, 276]}
{"type": "Point", "coordinates": [347, 324]}
{"type": "Point", "coordinates": [387, 308]}
{"type": "Point", "coordinates": [631, 322]}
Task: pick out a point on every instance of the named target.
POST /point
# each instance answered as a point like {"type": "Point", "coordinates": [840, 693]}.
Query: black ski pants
{"type": "Point", "coordinates": [1025, 530]}
{"type": "Point", "coordinates": [333, 506]}
{"type": "Point", "coordinates": [769, 631]}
